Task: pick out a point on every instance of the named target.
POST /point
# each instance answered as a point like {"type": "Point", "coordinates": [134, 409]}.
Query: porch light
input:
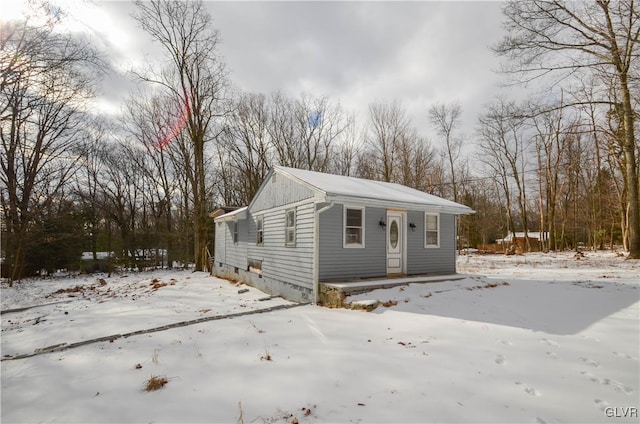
{"type": "Point", "coordinates": [382, 223]}
{"type": "Point", "coordinates": [412, 225]}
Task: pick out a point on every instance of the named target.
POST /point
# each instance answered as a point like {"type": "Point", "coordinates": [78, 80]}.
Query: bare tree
{"type": "Point", "coordinates": [230, 188]}
{"type": "Point", "coordinates": [181, 151]}
{"type": "Point", "coordinates": [121, 190]}
{"type": "Point", "coordinates": [346, 153]}
{"type": "Point", "coordinates": [247, 141]}
{"type": "Point", "coordinates": [446, 120]}
{"type": "Point", "coordinates": [148, 119]}
{"type": "Point", "coordinates": [393, 151]}
{"type": "Point", "coordinates": [573, 187]}
{"type": "Point", "coordinates": [283, 131]}
{"type": "Point", "coordinates": [572, 40]}
{"type": "Point", "coordinates": [550, 130]}
{"type": "Point", "coordinates": [322, 125]}
{"type": "Point", "coordinates": [415, 162]}
{"type": "Point", "coordinates": [87, 181]}
{"type": "Point", "coordinates": [45, 78]}
{"type": "Point", "coordinates": [616, 158]}
{"type": "Point", "coordinates": [305, 131]}
{"type": "Point", "coordinates": [502, 150]}
{"type": "Point", "coordinates": [388, 126]}
{"type": "Point", "coordinates": [196, 78]}
{"type": "Point", "coordinates": [487, 224]}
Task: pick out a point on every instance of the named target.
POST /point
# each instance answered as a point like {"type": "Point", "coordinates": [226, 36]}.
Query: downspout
{"type": "Point", "coordinates": [316, 253]}
{"type": "Point", "coordinates": [455, 255]}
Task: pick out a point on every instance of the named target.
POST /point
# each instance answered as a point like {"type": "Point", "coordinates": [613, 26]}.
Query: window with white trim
{"type": "Point", "coordinates": [353, 227]}
{"type": "Point", "coordinates": [259, 230]}
{"type": "Point", "coordinates": [290, 227]}
{"type": "Point", "coordinates": [432, 230]}
{"type": "Point", "coordinates": [235, 232]}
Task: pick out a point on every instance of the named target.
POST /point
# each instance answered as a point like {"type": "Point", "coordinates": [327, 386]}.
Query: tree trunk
{"type": "Point", "coordinates": [633, 201]}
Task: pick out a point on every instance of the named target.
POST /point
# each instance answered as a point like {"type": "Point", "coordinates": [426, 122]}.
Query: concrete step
{"type": "Point", "coordinates": [332, 294]}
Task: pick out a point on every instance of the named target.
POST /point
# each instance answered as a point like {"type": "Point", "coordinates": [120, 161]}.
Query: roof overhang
{"type": "Point", "coordinates": [237, 215]}
{"type": "Point", "coordinates": [221, 211]}
{"type": "Point", "coordinates": [381, 203]}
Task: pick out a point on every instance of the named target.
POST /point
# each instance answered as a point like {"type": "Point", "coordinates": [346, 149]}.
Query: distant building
{"type": "Point", "coordinates": [536, 240]}
{"type": "Point", "coordinates": [88, 256]}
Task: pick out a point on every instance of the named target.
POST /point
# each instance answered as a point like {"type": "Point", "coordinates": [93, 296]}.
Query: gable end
{"type": "Point", "coordinates": [279, 189]}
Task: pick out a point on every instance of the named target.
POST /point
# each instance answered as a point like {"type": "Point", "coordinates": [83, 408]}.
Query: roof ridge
{"type": "Point", "coordinates": [363, 188]}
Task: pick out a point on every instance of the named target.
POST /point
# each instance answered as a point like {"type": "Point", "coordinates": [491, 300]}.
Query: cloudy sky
{"type": "Point", "coordinates": [415, 53]}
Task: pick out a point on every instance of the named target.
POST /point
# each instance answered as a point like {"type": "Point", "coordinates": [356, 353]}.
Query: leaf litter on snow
{"type": "Point", "coordinates": [102, 306]}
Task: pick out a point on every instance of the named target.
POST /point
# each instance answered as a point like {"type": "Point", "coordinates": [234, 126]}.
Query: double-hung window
{"type": "Point", "coordinates": [290, 227]}
{"type": "Point", "coordinates": [353, 227]}
{"type": "Point", "coordinates": [432, 230]}
{"type": "Point", "coordinates": [259, 230]}
{"type": "Point", "coordinates": [235, 232]}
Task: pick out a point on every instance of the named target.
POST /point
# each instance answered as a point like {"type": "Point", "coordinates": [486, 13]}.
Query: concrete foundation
{"type": "Point", "coordinates": [264, 283]}
{"type": "Point", "coordinates": [334, 294]}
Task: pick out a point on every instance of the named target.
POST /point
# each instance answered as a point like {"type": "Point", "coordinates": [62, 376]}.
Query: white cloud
{"type": "Point", "coordinates": [416, 53]}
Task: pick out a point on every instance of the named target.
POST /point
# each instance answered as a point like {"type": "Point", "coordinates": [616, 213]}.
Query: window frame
{"type": "Point", "coordinates": [260, 230]}
{"type": "Point", "coordinates": [235, 232]}
{"type": "Point", "coordinates": [426, 230]}
{"type": "Point", "coordinates": [288, 228]}
{"type": "Point", "coordinates": [362, 226]}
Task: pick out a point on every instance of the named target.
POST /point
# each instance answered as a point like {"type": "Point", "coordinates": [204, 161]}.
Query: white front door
{"type": "Point", "coordinates": [395, 242]}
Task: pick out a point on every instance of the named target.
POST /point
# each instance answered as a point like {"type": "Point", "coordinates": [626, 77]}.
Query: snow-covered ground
{"type": "Point", "coordinates": [535, 338]}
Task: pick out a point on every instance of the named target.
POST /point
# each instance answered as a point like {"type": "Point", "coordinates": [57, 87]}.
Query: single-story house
{"type": "Point", "coordinates": [304, 227]}
{"type": "Point", "coordinates": [536, 239]}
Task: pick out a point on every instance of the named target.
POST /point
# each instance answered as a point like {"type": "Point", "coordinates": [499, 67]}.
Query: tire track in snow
{"type": "Point", "coordinates": [26, 308]}
{"type": "Point", "coordinates": [65, 346]}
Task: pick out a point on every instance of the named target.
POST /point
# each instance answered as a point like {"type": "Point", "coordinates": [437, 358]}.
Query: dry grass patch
{"type": "Point", "coordinates": [488, 286]}
{"type": "Point", "coordinates": [155, 285]}
{"type": "Point", "coordinates": [266, 356]}
{"type": "Point", "coordinates": [369, 306]}
{"type": "Point", "coordinates": [155, 383]}
{"type": "Point", "coordinates": [76, 289]}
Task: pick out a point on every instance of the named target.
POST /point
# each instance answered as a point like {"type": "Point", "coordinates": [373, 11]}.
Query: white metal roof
{"type": "Point", "coordinates": [532, 234]}
{"type": "Point", "coordinates": [337, 187]}
{"type": "Point", "coordinates": [240, 213]}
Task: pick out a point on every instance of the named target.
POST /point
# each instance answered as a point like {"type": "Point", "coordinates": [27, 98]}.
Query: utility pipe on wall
{"type": "Point", "coordinates": [316, 253]}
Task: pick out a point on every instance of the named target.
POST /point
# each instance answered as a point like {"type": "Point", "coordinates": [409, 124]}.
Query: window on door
{"type": "Point", "coordinates": [432, 230]}
{"type": "Point", "coordinates": [353, 227]}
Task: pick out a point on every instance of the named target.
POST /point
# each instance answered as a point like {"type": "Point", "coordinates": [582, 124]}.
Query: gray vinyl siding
{"type": "Point", "coordinates": [282, 191]}
{"type": "Point", "coordinates": [337, 262]}
{"type": "Point", "coordinates": [290, 264]}
{"type": "Point", "coordinates": [440, 260]}
{"type": "Point", "coordinates": [236, 253]}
